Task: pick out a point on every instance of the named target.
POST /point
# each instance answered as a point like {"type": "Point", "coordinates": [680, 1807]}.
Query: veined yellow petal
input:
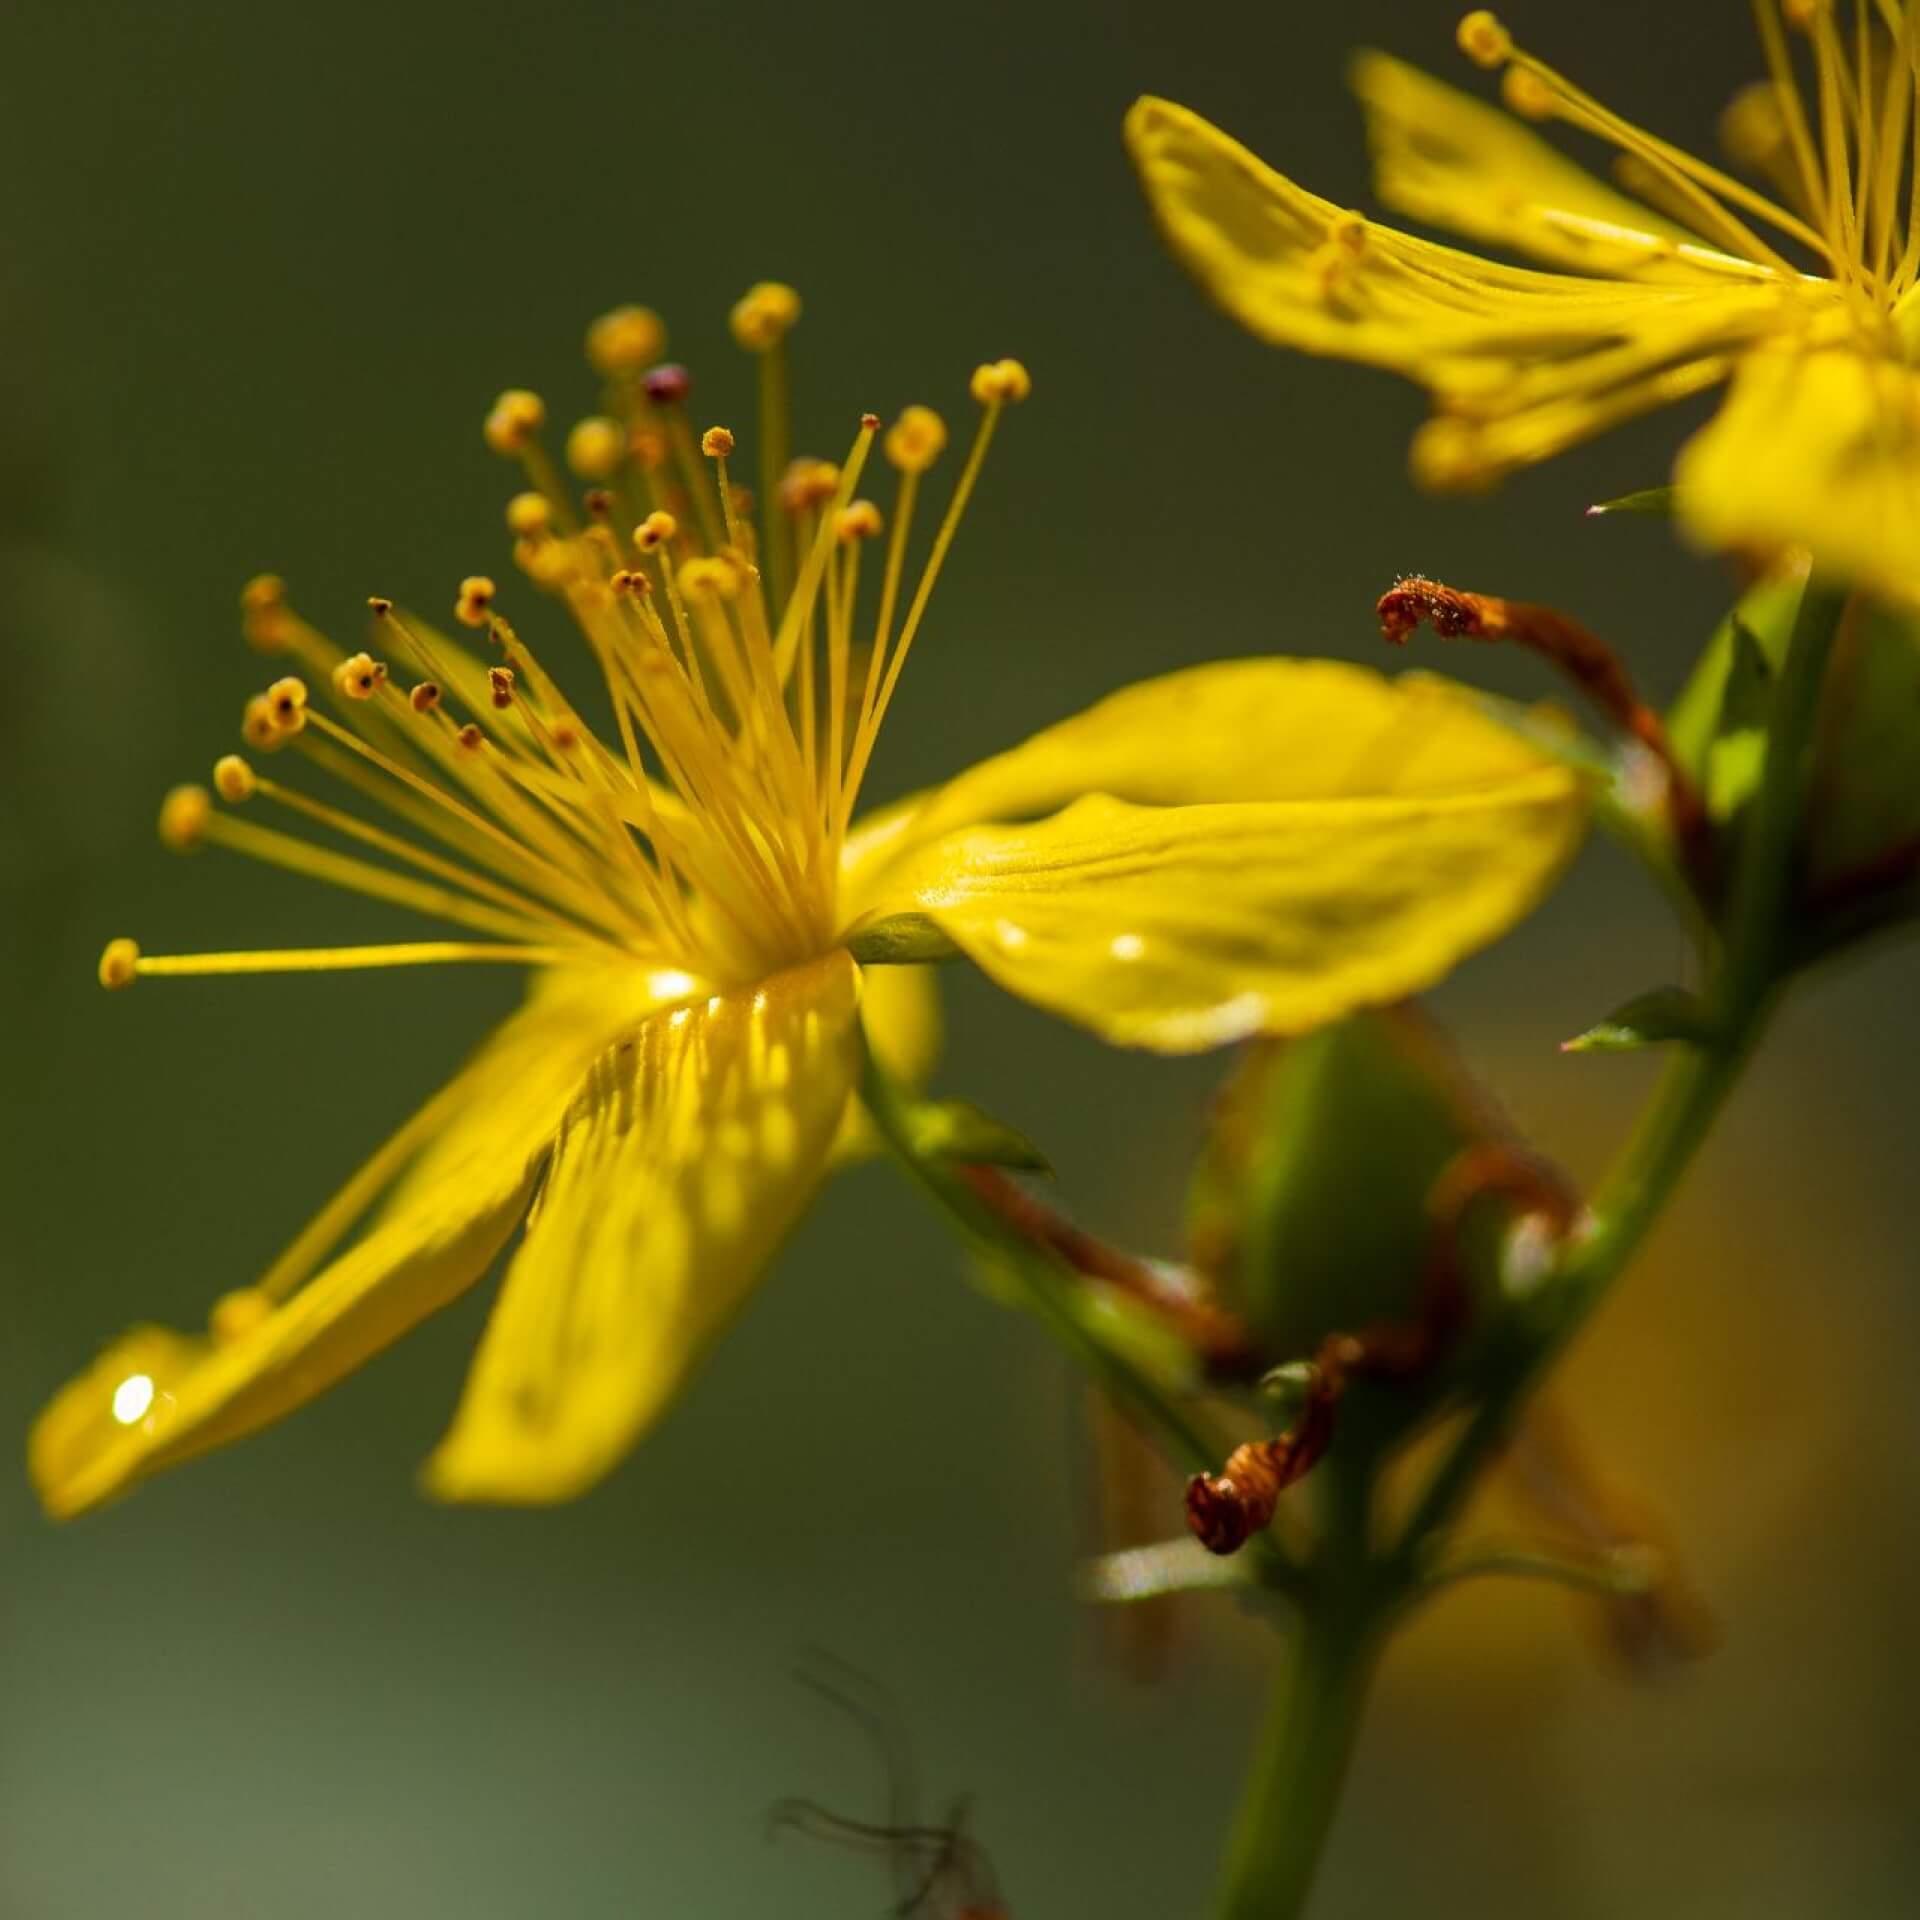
{"type": "Point", "coordinates": [156, 1398]}
{"type": "Point", "coordinates": [1488, 340]}
{"type": "Point", "coordinates": [1817, 449]}
{"type": "Point", "coordinates": [1263, 729]}
{"type": "Point", "coordinates": [1380, 847]}
{"type": "Point", "coordinates": [1181, 928]}
{"type": "Point", "coordinates": [1445, 158]}
{"type": "Point", "coordinates": [690, 1152]}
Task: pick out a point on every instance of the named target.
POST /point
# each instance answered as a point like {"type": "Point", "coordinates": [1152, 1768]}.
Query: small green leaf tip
{"type": "Point", "coordinates": [1665, 1015]}
{"type": "Point", "coordinates": [958, 1130]}
{"type": "Point", "coordinates": [1657, 501]}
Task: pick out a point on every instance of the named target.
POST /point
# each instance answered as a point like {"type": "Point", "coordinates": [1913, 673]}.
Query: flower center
{"type": "Point", "coordinates": [697, 829]}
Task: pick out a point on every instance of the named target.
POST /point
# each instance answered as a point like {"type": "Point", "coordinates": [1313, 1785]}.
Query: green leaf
{"type": "Point", "coordinates": [1648, 1020]}
{"type": "Point", "coordinates": [1308, 1210]}
{"type": "Point", "coordinates": [1718, 725]}
{"type": "Point", "coordinates": [958, 1130]}
{"type": "Point", "coordinates": [1648, 500]}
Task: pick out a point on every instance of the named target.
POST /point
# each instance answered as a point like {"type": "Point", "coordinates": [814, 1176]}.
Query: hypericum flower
{"type": "Point", "coordinates": [1810, 306]}
{"type": "Point", "coordinates": [1252, 846]}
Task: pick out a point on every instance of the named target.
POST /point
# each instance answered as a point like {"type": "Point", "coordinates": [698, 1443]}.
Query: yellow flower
{"type": "Point", "coordinates": [1806, 299]}
{"type": "Point", "coordinates": [1255, 846]}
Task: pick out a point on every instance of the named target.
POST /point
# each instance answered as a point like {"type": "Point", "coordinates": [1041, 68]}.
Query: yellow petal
{"type": "Point", "coordinates": [1524, 363]}
{"type": "Point", "coordinates": [1443, 157]}
{"type": "Point", "coordinates": [1817, 449]}
{"type": "Point", "coordinates": [1366, 836]}
{"type": "Point", "coordinates": [1264, 729]}
{"type": "Point", "coordinates": [690, 1152]}
{"type": "Point", "coordinates": [474, 1151]}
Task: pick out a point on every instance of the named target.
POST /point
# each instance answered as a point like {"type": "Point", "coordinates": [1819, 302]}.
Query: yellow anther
{"type": "Point", "coordinates": [808, 483]}
{"type": "Point", "coordinates": [238, 1313]}
{"type": "Point", "coordinates": [530, 514]}
{"type": "Point", "coordinates": [716, 443]}
{"type": "Point", "coordinates": [1527, 94]}
{"type": "Point", "coordinates": [425, 697]}
{"type": "Point", "coordinates": [264, 619]}
{"type": "Point", "coordinates": [1348, 232]}
{"type": "Point", "coordinates": [595, 447]}
{"type": "Point", "coordinates": [1803, 13]}
{"type": "Point", "coordinates": [183, 818]}
{"type": "Point", "coordinates": [233, 779]}
{"type": "Point", "coordinates": [500, 685]}
{"type": "Point", "coordinates": [709, 578]}
{"type": "Point", "coordinates": [1483, 39]}
{"type": "Point", "coordinates": [359, 677]}
{"type": "Point", "coordinates": [516, 417]}
{"type": "Point", "coordinates": [550, 563]}
{"type": "Point", "coordinates": [627, 340]}
{"type": "Point", "coordinates": [916, 440]}
{"type": "Point", "coordinates": [257, 726]}
{"type": "Point", "coordinates": [118, 963]}
{"type": "Point", "coordinates": [564, 735]}
{"type": "Point", "coordinates": [379, 605]}
{"type": "Point", "coordinates": [1001, 383]}
{"type": "Point", "coordinates": [647, 448]}
{"type": "Point", "coordinates": [860, 521]}
{"type": "Point", "coordinates": [626, 580]}
{"type": "Point", "coordinates": [287, 703]}
{"type": "Point", "coordinates": [656, 530]}
{"type": "Point", "coordinates": [763, 315]}
{"type": "Point", "coordinates": [471, 737]}
{"type": "Point", "coordinates": [474, 606]}
{"type": "Point", "coordinates": [1752, 127]}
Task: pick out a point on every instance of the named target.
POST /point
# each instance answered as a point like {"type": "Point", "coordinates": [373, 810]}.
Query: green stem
{"type": "Point", "coordinates": [1689, 1097]}
{"type": "Point", "coordinates": [1300, 1764]}
{"type": "Point", "coordinates": [1044, 1281]}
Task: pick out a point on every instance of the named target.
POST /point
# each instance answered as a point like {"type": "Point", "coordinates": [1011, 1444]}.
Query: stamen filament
{"type": "Point", "coordinates": [426, 953]}
{"type": "Point", "coordinates": [1693, 180]}
{"type": "Point", "coordinates": [448, 870]}
{"type": "Point", "coordinates": [949, 525]}
{"type": "Point", "coordinates": [356, 876]}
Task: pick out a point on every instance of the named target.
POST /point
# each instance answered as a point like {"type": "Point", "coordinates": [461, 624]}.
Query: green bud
{"type": "Point", "coordinates": [1308, 1213]}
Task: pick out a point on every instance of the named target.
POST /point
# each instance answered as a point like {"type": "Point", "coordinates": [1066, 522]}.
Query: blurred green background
{"type": "Point", "coordinates": [263, 269]}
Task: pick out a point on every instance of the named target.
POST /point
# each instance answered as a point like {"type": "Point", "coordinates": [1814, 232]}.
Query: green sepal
{"type": "Point", "coordinates": [958, 1130]}
{"type": "Point", "coordinates": [1865, 799]}
{"type": "Point", "coordinates": [1657, 501]}
{"type": "Point", "coordinates": [1308, 1211]}
{"type": "Point", "coordinates": [901, 940]}
{"type": "Point", "coordinates": [1718, 726]}
{"type": "Point", "coordinates": [1665, 1015]}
